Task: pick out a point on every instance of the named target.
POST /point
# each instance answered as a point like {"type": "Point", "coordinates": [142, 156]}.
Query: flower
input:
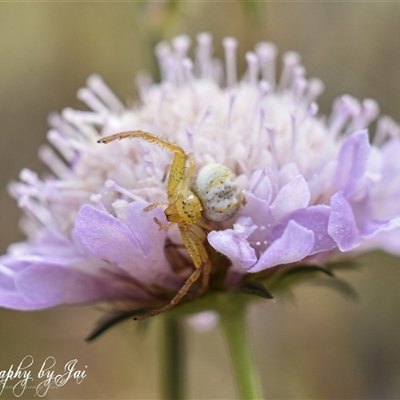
{"type": "Point", "coordinates": [315, 190]}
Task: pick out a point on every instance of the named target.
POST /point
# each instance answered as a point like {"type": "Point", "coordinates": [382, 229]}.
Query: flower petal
{"type": "Point", "coordinates": [342, 225]}
{"type": "Point", "coordinates": [107, 237]}
{"type": "Point", "coordinates": [295, 194]}
{"type": "Point", "coordinates": [260, 185]}
{"type": "Point", "coordinates": [233, 243]}
{"type": "Point", "coordinates": [48, 285]}
{"type": "Point", "coordinates": [145, 229]}
{"type": "Point", "coordinates": [386, 238]}
{"type": "Point", "coordinates": [295, 244]}
{"type": "Point", "coordinates": [352, 162]}
{"type": "Point", "coordinates": [152, 239]}
{"type": "Point", "coordinates": [314, 218]}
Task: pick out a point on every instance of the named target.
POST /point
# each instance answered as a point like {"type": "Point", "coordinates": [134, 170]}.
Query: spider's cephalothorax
{"type": "Point", "coordinates": [185, 207]}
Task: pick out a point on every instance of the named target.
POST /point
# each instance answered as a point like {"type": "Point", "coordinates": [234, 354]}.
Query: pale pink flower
{"type": "Point", "coordinates": [316, 190]}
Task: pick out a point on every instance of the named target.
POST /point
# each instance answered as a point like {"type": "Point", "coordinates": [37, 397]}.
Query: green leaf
{"type": "Point", "coordinates": [257, 289]}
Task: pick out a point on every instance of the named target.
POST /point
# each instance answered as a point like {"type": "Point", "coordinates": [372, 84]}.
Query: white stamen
{"type": "Point", "coordinates": [232, 98]}
{"type": "Point", "coordinates": [263, 174]}
{"type": "Point", "coordinates": [181, 45]}
{"type": "Point", "coordinates": [84, 117]}
{"type": "Point", "coordinates": [252, 67]}
{"type": "Point", "coordinates": [300, 85]}
{"type": "Point", "coordinates": [343, 108]}
{"type": "Point", "coordinates": [230, 45]}
{"type": "Point", "coordinates": [61, 125]}
{"type": "Point", "coordinates": [50, 158]}
{"type": "Point", "coordinates": [290, 60]}
{"type": "Point", "coordinates": [92, 101]}
{"type": "Point", "coordinates": [271, 136]}
{"type": "Point", "coordinates": [315, 88]}
{"type": "Point", "coordinates": [218, 72]}
{"type": "Point", "coordinates": [266, 52]}
{"type": "Point", "coordinates": [63, 144]}
{"type": "Point", "coordinates": [203, 55]}
{"type": "Point", "coordinates": [187, 66]}
{"type": "Point", "coordinates": [264, 88]}
{"type": "Point", "coordinates": [143, 83]}
{"type": "Point", "coordinates": [60, 142]}
{"type": "Point", "coordinates": [369, 111]}
{"type": "Point", "coordinates": [206, 114]}
{"type": "Point", "coordinates": [30, 177]}
{"type": "Point", "coordinates": [18, 190]}
{"type": "Point", "coordinates": [97, 199]}
{"type": "Point", "coordinates": [119, 203]}
{"type": "Point", "coordinates": [312, 111]}
{"type": "Point", "coordinates": [96, 83]}
{"type": "Point", "coordinates": [175, 67]}
{"type": "Point", "coordinates": [189, 135]}
{"type": "Point", "coordinates": [386, 127]}
{"type": "Point", "coordinates": [163, 53]}
{"type": "Point", "coordinates": [111, 184]}
{"type": "Point", "coordinates": [293, 121]}
{"type": "Point", "coordinates": [172, 69]}
{"type": "Point", "coordinates": [42, 214]}
{"type": "Point", "coordinates": [148, 158]}
{"type": "Point", "coordinates": [87, 131]}
{"type": "Point", "coordinates": [259, 145]}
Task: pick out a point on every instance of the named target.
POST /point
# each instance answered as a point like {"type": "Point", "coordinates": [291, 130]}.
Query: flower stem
{"type": "Point", "coordinates": [232, 321]}
{"type": "Point", "coordinates": [173, 368]}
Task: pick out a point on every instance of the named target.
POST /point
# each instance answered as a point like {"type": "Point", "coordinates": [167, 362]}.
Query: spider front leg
{"type": "Point", "coordinates": [163, 226]}
{"type": "Point", "coordinates": [155, 205]}
{"type": "Point", "coordinates": [177, 169]}
{"type": "Point", "coordinates": [202, 263]}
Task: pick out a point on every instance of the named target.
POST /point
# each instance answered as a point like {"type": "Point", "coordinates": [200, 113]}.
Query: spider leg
{"type": "Point", "coordinates": [187, 179]}
{"type": "Point", "coordinates": [177, 298]}
{"type": "Point", "coordinates": [202, 263]}
{"type": "Point", "coordinates": [155, 205]}
{"type": "Point", "coordinates": [205, 261]}
{"type": "Point", "coordinates": [177, 170]}
{"type": "Point", "coordinates": [198, 253]}
{"type": "Point", "coordinates": [163, 226]}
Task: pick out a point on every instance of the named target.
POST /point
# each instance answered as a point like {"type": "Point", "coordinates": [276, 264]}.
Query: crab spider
{"type": "Point", "coordinates": [184, 209]}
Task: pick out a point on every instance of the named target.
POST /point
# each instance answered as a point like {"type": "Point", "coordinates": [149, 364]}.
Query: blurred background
{"type": "Point", "coordinates": [321, 346]}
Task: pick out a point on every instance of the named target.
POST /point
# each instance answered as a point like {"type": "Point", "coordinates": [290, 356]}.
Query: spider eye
{"type": "Point", "coordinates": [218, 190]}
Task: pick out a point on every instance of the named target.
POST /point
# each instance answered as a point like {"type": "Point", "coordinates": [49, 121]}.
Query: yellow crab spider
{"type": "Point", "coordinates": [184, 208]}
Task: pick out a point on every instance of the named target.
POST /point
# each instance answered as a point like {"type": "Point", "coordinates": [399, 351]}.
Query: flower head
{"type": "Point", "coordinates": [314, 189]}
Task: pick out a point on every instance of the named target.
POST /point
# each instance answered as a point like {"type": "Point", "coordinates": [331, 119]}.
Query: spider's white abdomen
{"type": "Point", "coordinates": [218, 191]}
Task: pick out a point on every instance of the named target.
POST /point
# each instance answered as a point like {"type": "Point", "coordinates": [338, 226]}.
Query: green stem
{"type": "Point", "coordinates": [232, 319]}
{"type": "Point", "coordinates": [173, 368]}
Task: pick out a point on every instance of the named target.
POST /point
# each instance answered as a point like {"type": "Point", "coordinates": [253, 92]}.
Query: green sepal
{"type": "Point", "coordinates": [340, 285]}
{"type": "Point", "coordinates": [256, 289]}
{"type": "Point", "coordinates": [112, 319]}
{"type": "Point", "coordinates": [294, 275]}
{"type": "Point", "coordinates": [344, 265]}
